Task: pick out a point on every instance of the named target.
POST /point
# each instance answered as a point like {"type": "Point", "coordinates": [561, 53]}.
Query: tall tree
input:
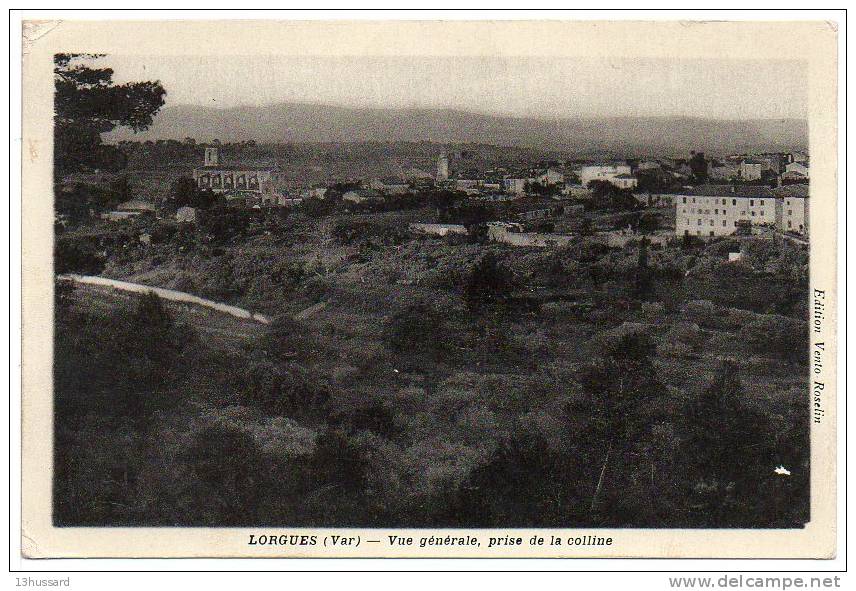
{"type": "Point", "coordinates": [698, 167]}
{"type": "Point", "coordinates": [726, 452]}
{"type": "Point", "coordinates": [615, 413]}
{"type": "Point", "coordinates": [87, 104]}
{"type": "Point", "coordinates": [488, 285]}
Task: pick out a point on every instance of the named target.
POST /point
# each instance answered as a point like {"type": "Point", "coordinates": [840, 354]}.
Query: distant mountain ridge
{"type": "Point", "coordinates": [313, 123]}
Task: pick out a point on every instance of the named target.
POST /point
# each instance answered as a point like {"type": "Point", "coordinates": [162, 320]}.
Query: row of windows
{"type": "Point", "coordinates": [724, 201]}
{"type": "Point", "coordinates": [724, 212]}
{"type": "Point", "coordinates": [724, 222]}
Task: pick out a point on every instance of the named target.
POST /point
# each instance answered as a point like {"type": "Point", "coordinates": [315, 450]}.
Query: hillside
{"type": "Point", "coordinates": [308, 123]}
{"type": "Point", "coordinates": [395, 387]}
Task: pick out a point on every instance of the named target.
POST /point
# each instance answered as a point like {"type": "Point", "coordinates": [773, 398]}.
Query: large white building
{"type": "Point", "coordinates": [603, 172]}
{"type": "Point", "coordinates": [715, 210]}
{"type": "Point", "coordinates": [792, 208]}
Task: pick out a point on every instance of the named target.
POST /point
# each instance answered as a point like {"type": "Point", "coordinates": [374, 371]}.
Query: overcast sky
{"type": "Point", "coordinates": [723, 89]}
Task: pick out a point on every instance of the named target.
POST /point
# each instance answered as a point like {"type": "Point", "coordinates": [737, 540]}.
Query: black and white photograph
{"type": "Point", "coordinates": [458, 292]}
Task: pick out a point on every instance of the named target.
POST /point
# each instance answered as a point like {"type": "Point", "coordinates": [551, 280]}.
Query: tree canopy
{"type": "Point", "coordinates": [87, 103]}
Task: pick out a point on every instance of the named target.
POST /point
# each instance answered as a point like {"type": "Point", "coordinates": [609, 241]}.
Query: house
{"type": "Point", "coordinates": [314, 193]}
{"type": "Point", "coordinates": [550, 177]}
{"type": "Point", "coordinates": [536, 214]}
{"type": "Point", "coordinates": [654, 199]}
{"type": "Point", "coordinates": [362, 196]}
{"type": "Point", "coordinates": [186, 215]}
{"type": "Point", "coordinates": [624, 181]}
{"type": "Point", "coordinates": [800, 157]}
{"type": "Point", "coordinates": [118, 216]}
{"type": "Point", "coordinates": [494, 197]}
{"type": "Point", "coordinates": [792, 208]}
{"type": "Point", "coordinates": [602, 172]}
{"type": "Point", "coordinates": [794, 178]}
{"type": "Point", "coordinates": [717, 210]}
{"type": "Point", "coordinates": [438, 229]}
{"type": "Point", "coordinates": [797, 167]}
{"type": "Point", "coordinates": [129, 209]}
{"type": "Point", "coordinates": [137, 206]}
{"type": "Point", "coordinates": [465, 184]}
{"type": "Point", "coordinates": [722, 171]}
{"type": "Point", "coordinates": [287, 201]}
{"type": "Point", "coordinates": [750, 169]}
{"type": "Point", "coordinates": [515, 185]}
{"type": "Point", "coordinates": [576, 191]}
{"type": "Point", "coordinates": [390, 186]}
{"type": "Point", "coordinates": [648, 165]}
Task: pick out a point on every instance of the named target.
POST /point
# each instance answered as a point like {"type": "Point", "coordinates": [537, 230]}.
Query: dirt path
{"type": "Point", "coordinates": [167, 294]}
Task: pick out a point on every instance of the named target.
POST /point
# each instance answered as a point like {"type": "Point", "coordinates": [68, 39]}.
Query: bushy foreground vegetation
{"type": "Point", "coordinates": [431, 382]}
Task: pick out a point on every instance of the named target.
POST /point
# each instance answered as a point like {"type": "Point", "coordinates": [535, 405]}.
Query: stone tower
{"type": "Point", "coordinates": [212, 157]}
{"type": "Point", "coordinates": [443, 167]}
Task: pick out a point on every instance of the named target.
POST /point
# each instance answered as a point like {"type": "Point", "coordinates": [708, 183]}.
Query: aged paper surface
{"type": "Point", "coordinates": [811, 45]}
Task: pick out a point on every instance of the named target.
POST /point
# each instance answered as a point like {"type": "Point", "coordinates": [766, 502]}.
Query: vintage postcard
{"type": "Point", "coordinates": [429, 289]}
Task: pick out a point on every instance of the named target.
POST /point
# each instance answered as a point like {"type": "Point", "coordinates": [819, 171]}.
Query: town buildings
{"type": "Point", "coordinates": [602, 172]}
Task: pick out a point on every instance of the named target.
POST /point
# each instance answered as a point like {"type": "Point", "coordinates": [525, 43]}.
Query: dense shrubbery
{"type": "Point", "coordinates": [375, 232]}
{"type": "Point", "coordinates": [488, 286]}
{"type": "Point", "coordinates": [79, 200]}
{"type": "Point", "coordinates": [77, 254]}
{"type": "Point", "coordinates": [437, 384]}
{"type": "Point", "coordinates": [286, 390]}
{"type": "Point", "coordinates": [777, 335]}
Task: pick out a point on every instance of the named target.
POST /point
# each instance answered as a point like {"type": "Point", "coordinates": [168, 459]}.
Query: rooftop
{"type": "Point", "coordinates": [235, 167]}
{"type": "Point", "coordinates": [796, 191]}
{"type": "Point", "coordinates": [727, 191]}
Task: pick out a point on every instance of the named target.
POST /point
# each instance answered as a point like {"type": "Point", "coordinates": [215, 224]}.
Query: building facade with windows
{"type": "Point", "coordinates": [716, 210]}
{"type": "Point", "coordinates": [228, 179]}
{"type": "Point", "coordinates": [792, 209]}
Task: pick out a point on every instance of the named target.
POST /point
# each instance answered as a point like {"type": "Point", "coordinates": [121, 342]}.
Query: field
{"type": "Point", "coordinates": [411, 381]}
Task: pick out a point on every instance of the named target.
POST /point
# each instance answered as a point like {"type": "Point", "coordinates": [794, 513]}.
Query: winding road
{"type": "Point", "coordinates": [167, 294]}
